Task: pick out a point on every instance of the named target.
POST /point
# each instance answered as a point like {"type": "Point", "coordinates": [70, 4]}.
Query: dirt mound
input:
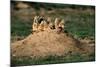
{"type": "Point", "coordinates": [46, 43]}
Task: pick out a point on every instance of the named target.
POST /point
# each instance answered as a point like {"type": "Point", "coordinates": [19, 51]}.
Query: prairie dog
{"type": "Point", "coordinates": [36, 18]}
{"type": "Point", "coordinates": [57, 21]}
{"type": "Point", "coordinates": [41, 23]}
{"type": "Point", "coordinates": [61, 24]}
{"type": "Point", "coordinates": [41, 26]}
{"type": "Point", "coordinates": [40, 19]}
{"type": "Point", "coordinates": [45, 25]}
{"type": "Point", "coordinates": [51, 26]}
{"type": "Point", "coordinates": [35, 23]}
{"type": "Point", "coordinates": [35, 26]}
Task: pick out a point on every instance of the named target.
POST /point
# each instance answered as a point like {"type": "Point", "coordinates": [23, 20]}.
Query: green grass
{"type": "Point", "coordinates": [81, 25]}
{"type": "Point", "coordinates": [52, 60]}
{"type": "Point", "coordinates": [20, 27]}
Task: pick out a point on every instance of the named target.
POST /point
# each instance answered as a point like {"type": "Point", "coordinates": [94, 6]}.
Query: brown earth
{"type": "Point", "coordinates": [49, 43]}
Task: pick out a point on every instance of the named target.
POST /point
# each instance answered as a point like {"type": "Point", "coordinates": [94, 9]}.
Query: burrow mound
{"type": "Point", "coordinates": [42, 44]}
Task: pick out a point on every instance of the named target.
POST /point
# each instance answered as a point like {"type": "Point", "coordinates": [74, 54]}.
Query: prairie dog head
{"type": "Point", "coordinates": [38, 19]}
{"type": "Point", "coordinates": [60, 26]}
{"type": "Point", "coordinates": [41, 19]}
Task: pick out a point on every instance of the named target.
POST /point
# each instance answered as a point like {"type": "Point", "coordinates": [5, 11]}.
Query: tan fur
{"type": "Point", "coordinates": [59, 30]}
{"type": "Point", "coordinates": [49, 20]}
{"type": "Point", "coordinates": [41, 26]}
{"type": "Point", "coordinates": [35, 19]}
{"type": "Point", "coordinates": [45, 25]}
{"type": "Point", "coordinates": [57, 21]}
{"type": "Point", "coordinates": [35, 26]}
{"type": "Point", "coordinates": [61, 24]}
{"type": "Point", "coordinates": [51, 25]}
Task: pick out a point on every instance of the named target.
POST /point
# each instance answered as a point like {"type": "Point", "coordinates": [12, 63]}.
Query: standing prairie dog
{"type": "Point", "coordinates": [57, 21]}
{"type": "Point", "coordinates": [61, 24]}
{"type": "Point", "coordinates": [35, 23]}
{"type": "Point", "coordinates": [36, 18]}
